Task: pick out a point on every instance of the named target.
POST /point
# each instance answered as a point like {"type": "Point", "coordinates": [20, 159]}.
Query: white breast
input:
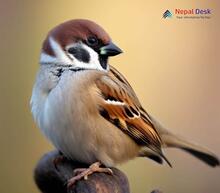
{"type": "Point", "coordinates": [66, 115]}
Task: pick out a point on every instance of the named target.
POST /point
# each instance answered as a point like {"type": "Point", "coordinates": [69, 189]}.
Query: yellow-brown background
{"type": "Point", "coordinates": [174, 66]}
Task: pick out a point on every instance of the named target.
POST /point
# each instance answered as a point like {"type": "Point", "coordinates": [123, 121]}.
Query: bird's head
{"type": "Point", "coordinates": [79, 43]}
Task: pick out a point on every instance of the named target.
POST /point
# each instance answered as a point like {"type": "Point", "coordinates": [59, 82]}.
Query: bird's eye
{"type": "Point", "coordinates": [92, 41]}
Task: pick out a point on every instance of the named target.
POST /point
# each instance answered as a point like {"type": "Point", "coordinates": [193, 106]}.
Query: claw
{"type": "Point", "coordinates": [85, 172]}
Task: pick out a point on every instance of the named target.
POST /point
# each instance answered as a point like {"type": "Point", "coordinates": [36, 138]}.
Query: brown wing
{"type": "Point", "coordinates": [120, 106]}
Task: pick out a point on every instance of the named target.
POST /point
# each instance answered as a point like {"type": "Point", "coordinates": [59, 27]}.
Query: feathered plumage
{"type": "Point", "coordinates": [89, 110]}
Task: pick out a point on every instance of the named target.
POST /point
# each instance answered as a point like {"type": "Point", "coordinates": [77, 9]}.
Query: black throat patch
{"type": "Point", "coordinates": [103, 61]}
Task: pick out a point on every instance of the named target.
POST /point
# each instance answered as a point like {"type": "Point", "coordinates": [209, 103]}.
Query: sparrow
{"type": "Point", "coordinates": [87, 108]}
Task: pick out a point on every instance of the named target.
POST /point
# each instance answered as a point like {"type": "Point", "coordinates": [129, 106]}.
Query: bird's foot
{"type": "Point", "coordinates": [85, 172]}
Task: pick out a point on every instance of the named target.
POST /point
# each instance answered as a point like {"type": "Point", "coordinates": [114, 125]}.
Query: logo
{"type": "Point", "coordinates": [191, 13]}
{"type": "Point", "coordinates": [167, 14]}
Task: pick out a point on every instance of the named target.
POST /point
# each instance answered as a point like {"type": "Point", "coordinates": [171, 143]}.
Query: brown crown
{"type": "Point", "coordinates": [73, 31]}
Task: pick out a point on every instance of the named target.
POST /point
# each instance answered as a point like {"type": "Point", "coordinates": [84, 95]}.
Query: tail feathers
{"type": "Point", "coordinates": [201, 153]}
{"type": "Point", "coordinates": [207, 158]}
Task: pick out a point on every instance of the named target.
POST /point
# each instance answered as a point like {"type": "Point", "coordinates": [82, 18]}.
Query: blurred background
{"type": "Point", "coordinates": [173, 65]}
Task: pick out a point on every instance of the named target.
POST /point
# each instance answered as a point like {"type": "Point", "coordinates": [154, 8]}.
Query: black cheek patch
{"type": "Point", "coordinates": [80, 54]}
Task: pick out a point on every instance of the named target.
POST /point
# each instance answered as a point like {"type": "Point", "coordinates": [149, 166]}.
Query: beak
{"type": "Point", "coordinates": [110, 50]}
